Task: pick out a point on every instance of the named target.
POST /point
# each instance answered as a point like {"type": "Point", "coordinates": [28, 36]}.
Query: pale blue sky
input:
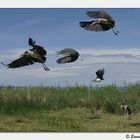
{"type": "Point", "coordinates": [56, 29]}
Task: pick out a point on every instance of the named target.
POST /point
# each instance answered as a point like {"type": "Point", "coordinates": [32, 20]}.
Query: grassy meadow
{"type": "Point", "coordinates": [68, 109]}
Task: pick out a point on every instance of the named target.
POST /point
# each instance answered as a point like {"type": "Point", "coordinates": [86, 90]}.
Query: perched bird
{"type": "Point", "coordinates": [99, 75]}
{"type": "Point", "coordinates": [37, 54]}
{"type": "Point", "coordinates": [70, 55]}
{"type": "Point", "coordinates": [125, 107]}
{"type": "Point", "coordinates": [102, 22]}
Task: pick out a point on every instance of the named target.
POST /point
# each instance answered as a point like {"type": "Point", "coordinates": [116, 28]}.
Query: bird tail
{"type": "Point", "coordinates": [83, 24]}
{"type": "Point", "coordinates": [129, 111]}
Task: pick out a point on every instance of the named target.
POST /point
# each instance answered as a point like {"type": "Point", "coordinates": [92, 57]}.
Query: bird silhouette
{"type": "Point", "coordinates": [102, 22]}
{"type": "Point", "coordinates": [99, 75]}
{"type": "Point", "coordinates": [70, 55]}
{"type": "Point", "coordinates": [124, 106]}
{"type": "Point", "coordinates": [37, 54]}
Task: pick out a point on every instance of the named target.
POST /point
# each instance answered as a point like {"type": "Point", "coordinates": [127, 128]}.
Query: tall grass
{"type": "Point", "coordinates": [15, 100]}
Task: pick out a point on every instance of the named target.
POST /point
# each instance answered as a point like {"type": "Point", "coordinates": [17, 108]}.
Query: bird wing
{"type": "Point", "coordinates": [99, 14]}
{"type": "Point", "coordinates": [63, 60]}
{"type": "Point", "coordinates": [67, 51]}
{"type": "Point", "coordinates": [97, 27]}
{"type": "Point", "coordinates": [94, 27]}
{"type": "Point", "coordinates": [105, 27]}
{"type": "Point", "coordinates": [22, 61]}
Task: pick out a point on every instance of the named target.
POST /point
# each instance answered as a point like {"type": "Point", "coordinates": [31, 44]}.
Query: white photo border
{"type": "Point", "coordinates": [69, 3]}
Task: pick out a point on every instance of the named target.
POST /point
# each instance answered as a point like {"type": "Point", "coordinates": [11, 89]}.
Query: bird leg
{"type": "Point", "coordinates": [115, 32]}
{"type": "Point", "coordinates": [45, 67]}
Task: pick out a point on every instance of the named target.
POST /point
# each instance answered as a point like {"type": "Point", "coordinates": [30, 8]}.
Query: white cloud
{"type": "Point", "coordinates": [120, 65]}
{"type": "Point", "coordinates": [39, 72]}
{"type": "Point", "coordinates": [133, 51]}
{"type": "Point", "coordinates": [92, 56]}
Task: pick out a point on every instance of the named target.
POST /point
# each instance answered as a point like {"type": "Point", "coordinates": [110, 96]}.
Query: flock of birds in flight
{"type": "Point", "coordinates": [37, 54]}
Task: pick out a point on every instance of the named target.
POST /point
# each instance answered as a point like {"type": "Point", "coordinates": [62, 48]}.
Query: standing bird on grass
{"type": "Point", "coordinates": [70, 55]}
{"type": "Point", "coordinates": [125, 107]}
{"type": "Point", "coordinates": [102, 22]}
{"type": "Point", "coordinates": [37, 54]}
{"type": "Point", "coordinates": [99, 75]}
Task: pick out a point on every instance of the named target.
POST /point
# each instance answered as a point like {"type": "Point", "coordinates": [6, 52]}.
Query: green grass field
{"type": "Point", "coordinates": [75, 109]}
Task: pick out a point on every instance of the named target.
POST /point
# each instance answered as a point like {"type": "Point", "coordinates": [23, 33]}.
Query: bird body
{"type": "Point", "coordinates": [32, 54]}
{"type": "Point", "coordinates": [70, 55]}
{"type": "Point", "coordinates": [125, 107]}
{"type": "Point", "coordinates": [99, 21]}
{"type": "Point", "coordinates": [37, 51]}
{"type": "Point", "coordinates": [35, 55]}
{"type": "Point", "coordinates": [99, 75]}
{"type": "Point", "coordinates": [102, 22]}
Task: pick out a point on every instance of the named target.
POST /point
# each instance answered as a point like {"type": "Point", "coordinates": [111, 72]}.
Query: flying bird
{"type": "Point", "coordinates": [99, 75]}
{"type": "Point", "coordinates": [102, 22]}
{"type": "Point", "coordinates": [70, 55]}
{"type": "Point", "coordinates": [37, 54]}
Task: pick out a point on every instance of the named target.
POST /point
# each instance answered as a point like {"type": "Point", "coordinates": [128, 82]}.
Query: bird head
{"type": "Point", "coordinates": [31, 42]}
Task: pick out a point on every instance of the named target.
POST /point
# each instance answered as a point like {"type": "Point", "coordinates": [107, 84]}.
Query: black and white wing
{"type": "Point", "coordinates": [22, 61]}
